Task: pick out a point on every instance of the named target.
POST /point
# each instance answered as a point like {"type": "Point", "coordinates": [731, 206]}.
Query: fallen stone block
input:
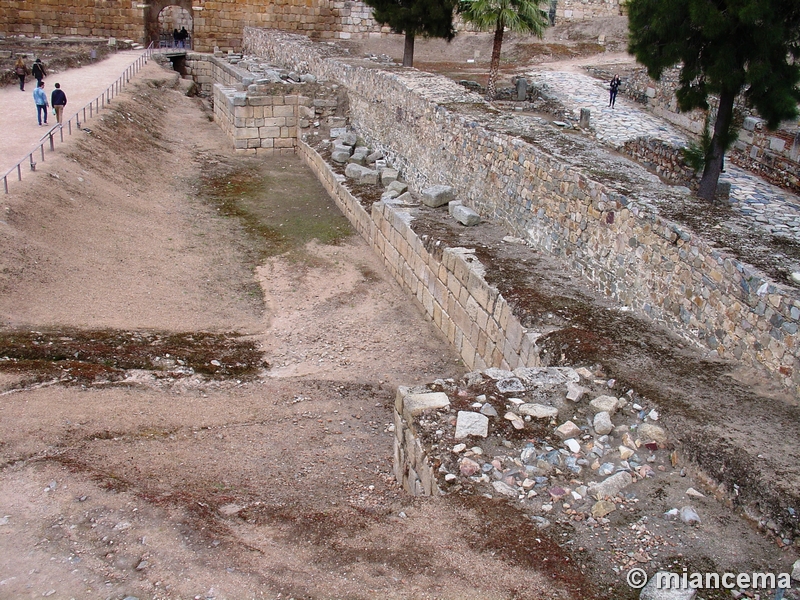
{"type": "Point", "coordinates": [438, 195]}
{"type": "Point", "coordinates": [538, 411]}
{"type": "Point", "coordinates": [397, 186]}
{"type": "Point", "coordinates": [416, 404]}
{"type": "Point", "coordinates": [388, 176]}
{"type": "Point", "coordinates": [466, 216]}
{"type": "Point", "coordinates": [361, 174]}
{"type": "Point", "coordinates": [375, 156]}
{"type": "Point", "coordinates": [340, 156]}
{"type": "Point", "coordinates": [347, 139]}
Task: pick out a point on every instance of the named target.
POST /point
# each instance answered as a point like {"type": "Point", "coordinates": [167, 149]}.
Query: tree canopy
{"type": "Point", "coordinates": [519, 16]}
{"type": "Point", "coordinates": [723, 47]}
{"type": "Point", "coordinates": [429, 18]}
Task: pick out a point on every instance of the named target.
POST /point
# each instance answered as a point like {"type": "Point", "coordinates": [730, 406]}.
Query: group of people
{"type": "Point", "coordinates": [58, 99]}
{"type": "Point", "coordinates": [180, 37]}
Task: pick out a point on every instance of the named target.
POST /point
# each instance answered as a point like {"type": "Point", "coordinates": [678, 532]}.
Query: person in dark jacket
{"type": "Point", "coordinates": [37, 70]}
{"type": "Point", "coordinates": [58, 99]}
{"type": "Point", "coordinates": [613, 89]}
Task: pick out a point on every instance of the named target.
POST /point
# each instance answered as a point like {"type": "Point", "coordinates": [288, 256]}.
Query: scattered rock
{"type": "Point", "coordinates": [469, 467]}
{"type": "Point", "coordinates": [504, 489]}
{"type": "Point", "coordinates": [389, 176]}
{"type": "Point", "coordinates": [610, 487]}
{"type": "Point", "coordinates": [568, 430]}
{"type": "Point", "coordinates": [694, 493]}
{"type": "Point", "coordinates": [655, 590]}
{"type": "Point", "coordinates": [510, 385]}
{"type": "Point", "coordinates": [228, 510]}
{"type": "Point", "coordinates": [602, 423]}
{"type": "Point", "coordinates": [607, 404]}
{"type": "Point", "coordinates": [575, 392]}
{"type": "Point", "coordinates": [689, 516]}
{"type": "Point", "coordinates": [796, 570]}
{"type": "Point", "coordinates": [400, 187]}
{"type": "Point", "coordinates": [625, 453]}
{"type": "Point", "coordinates": [515, 419]}
{"type": "Point", "coordinates": [437, 195]}
{"type": "Point", "coordinates": [374, 156]}
{"type": "Point", "coordinates": [538, 411]}
{"type": "Point", "coordinates": [347, 139]}
{"type": "Point", "coordinates": [488, 410]}
{"type": "Point", "coordinates": [361, 174]}
{"type": "Point", "coordinates": [471, 423]}
{"type": "Point", "coordinates": [648, 431]}
{"type": "Point", "coordinates": [602, 508]}
{"type": "Point", "coordinates": [573, 445]}
{"type": "Point", "coordinates": [547, 377]}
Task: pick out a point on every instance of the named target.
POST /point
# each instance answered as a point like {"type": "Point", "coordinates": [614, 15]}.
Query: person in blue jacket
{"type": "Point", "coordinates": [40, 98]}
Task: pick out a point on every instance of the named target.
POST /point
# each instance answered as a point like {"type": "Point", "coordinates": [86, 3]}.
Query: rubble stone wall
{"type": "Point", "coordinates": [629, 253]}
{"type": "Point", "coordinates": [450, 288]}
{"type": "Point", "coordinates": [661, 157]}
{"type": "Point", "coordinates": [583, 10]}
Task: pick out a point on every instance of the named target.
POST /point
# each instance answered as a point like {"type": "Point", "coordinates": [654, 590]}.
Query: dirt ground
{"type": "Point", "coordinates": [147, 453]}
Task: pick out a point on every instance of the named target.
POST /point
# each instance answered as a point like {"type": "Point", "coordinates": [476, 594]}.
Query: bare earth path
{"type": "Point", "coordinates": [146, 451]}
{"type": "Point", "coordinates": [21, 132]}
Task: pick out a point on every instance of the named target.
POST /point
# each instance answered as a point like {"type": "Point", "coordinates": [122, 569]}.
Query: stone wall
{"type": "Point", "coordinates": [451, 290]}
{"type": "Point", "coordinates": [584, 10]}
{"type": "Point", "coordinates": [617, 243]}
{"type": "Point", "coordinates": [660, 157]}
{"type": "Point", "coordinates": [412, 468]}
{"type": "Point", "coordinates": [774, 155]}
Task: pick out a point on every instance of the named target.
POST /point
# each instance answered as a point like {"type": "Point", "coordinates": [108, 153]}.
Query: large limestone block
{"type": "Point", "coordinates": [471, 423]}
{"type": "Point", "coordinates": [438, 195]}
{"type": "Point", "coordinates": [465, 215]}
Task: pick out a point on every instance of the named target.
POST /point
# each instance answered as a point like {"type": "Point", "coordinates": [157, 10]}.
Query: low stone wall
{"type": "Point", "coordinates": [207, 70]}
{"type": "Point", "coordinates": [613, 240]}
{"type": "Point", "coordinates": [584, 10]}
{"type": "Point", "coordinates": [451, 290]}
{"type": "Point", "coordinates": [664, 159]}
{"type": "Point", "coordinates": [261, 120]}
{"type": "Point", "coordinates": [412, 468]}
{"type": "Point", "coordinates": [774, 155]}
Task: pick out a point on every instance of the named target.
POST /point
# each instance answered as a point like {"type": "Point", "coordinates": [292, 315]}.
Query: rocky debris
{"type": "Point", "coordinates": [796, 570]}
{"type": "Point", "coordinates": [341, 153]}
{"type": "Point", "coordinates": [608, 404]}
{"type": "Point", "coordinates": [568, 430]}
{"type": "Point", "coordinates": [610, 487]}
{"type": "Point", "coordinates": [650, 432]}
{"type": "Point", "coordinates": [689, 516]}
{"type": "Point", "coordinates": [538, 411]}
{"type": "Point", "coordinates": [575, 392]}
{"type": "Point", "coordinates": [464, 215]}
{"type": "Point", "coordinates": [602, 423]}
{"type": "Point", "coordinates": [471, 423]}
{"type": "Point", "coordinates": [359, 155]}
{"type": "Point", "coordinates": [361, 174]}
{"type": "Point", "coordinates": [389, 176]}
{"type": "Point", "coordinates": [437, 195]}
{"type": "Point", "coordinates": [653, 590]}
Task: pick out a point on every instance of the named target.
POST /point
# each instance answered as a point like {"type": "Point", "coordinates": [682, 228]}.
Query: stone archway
{"type": "Point", "coordinates": [175, 13]}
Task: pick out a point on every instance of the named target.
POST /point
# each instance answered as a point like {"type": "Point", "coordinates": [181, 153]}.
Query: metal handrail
{"type": "Point", "coordinates": [95, 106]}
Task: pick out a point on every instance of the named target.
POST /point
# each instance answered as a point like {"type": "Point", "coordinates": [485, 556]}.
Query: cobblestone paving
{"type": "Point", "coordinates": [772, 208]}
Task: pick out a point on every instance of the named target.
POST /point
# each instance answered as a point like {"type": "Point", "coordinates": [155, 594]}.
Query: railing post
{"type": "Point", "coordinates": [19, 168]}
{"type": "Point", "coordinates": [5, 182]}
{"type": "Point", "coordinates": [52, 143]}
{"type": "Point", "coordinates": [41, 147]}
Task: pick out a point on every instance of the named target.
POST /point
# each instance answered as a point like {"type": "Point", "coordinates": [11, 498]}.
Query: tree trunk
{"type": "Point", "coordinates": [408, 51]}
{"type": "Point", "coordinates": [708, 183]}
{"type": "Point", "coordinates": [494, 65]}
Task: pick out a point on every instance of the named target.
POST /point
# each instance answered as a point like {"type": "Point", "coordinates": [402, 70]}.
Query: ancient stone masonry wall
{"type": "Point", "coordinates": [661, 157]}
{"type": "Point", "coordinates": [583, 10]}
{"type": "Point", "coordinates": [631, 254]}
{"type": "Point", "coordinates": [450, 289]}
{"type": "Point", "coordinates": [101, 18]}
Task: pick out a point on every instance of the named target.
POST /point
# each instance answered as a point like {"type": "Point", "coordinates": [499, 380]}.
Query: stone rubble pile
{"type": "Point", "coordinates": [566, 447]}
{"type": "Point", "coordinates": [366, 166]}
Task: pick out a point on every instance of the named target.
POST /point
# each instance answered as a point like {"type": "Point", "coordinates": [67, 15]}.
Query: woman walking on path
{"type": "Point", "coordinates": [40, 98]}
{"type": "Point", "coordinates": [21, 70]}
{"type": "Point", "coordinates": [613, 89]}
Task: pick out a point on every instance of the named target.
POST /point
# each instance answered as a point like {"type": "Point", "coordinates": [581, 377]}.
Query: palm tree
{"type": "Point", "coordinates": [519, 16]}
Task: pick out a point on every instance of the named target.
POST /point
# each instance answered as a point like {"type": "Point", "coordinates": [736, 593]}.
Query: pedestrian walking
{"type": "Point", "coordinates": [21, 70]}
{"type": "Point", "coordinates": [40, 98]}
{"type": "Point", "coordinates": [37, 70]}
{"type": "Point", "coordinates": [59, 100]}
{"type": "Point", "coordinates": [613, 89]}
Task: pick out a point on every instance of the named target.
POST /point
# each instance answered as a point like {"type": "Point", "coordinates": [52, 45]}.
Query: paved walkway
{"type": "Point", "coordinates": [20, 130]}
{"type": "Point", "coordinates": [771, 207]}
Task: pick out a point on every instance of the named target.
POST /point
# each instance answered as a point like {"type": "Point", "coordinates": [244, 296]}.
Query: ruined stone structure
{"type": "Point", "coordinates": [219, 23]}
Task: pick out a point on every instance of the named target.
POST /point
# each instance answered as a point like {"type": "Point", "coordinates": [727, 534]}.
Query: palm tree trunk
{"type": "Point", "coordinates": [408, 50]}
{"type": "Point", "coordinates": [494, 65]}
{"type": "Point", "coordinates": [708, 183]}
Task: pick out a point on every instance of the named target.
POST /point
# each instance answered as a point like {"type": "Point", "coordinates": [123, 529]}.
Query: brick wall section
{"type": "Point", "coordinates": [101, 18]}
{"type": "Point", "coordinates": [629, 253]}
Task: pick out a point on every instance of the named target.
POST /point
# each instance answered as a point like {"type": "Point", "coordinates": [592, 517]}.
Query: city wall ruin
{"type": "Point", "coordinates": [620, 245]}
{"type": "Point", "coordinates": [219, 23]}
